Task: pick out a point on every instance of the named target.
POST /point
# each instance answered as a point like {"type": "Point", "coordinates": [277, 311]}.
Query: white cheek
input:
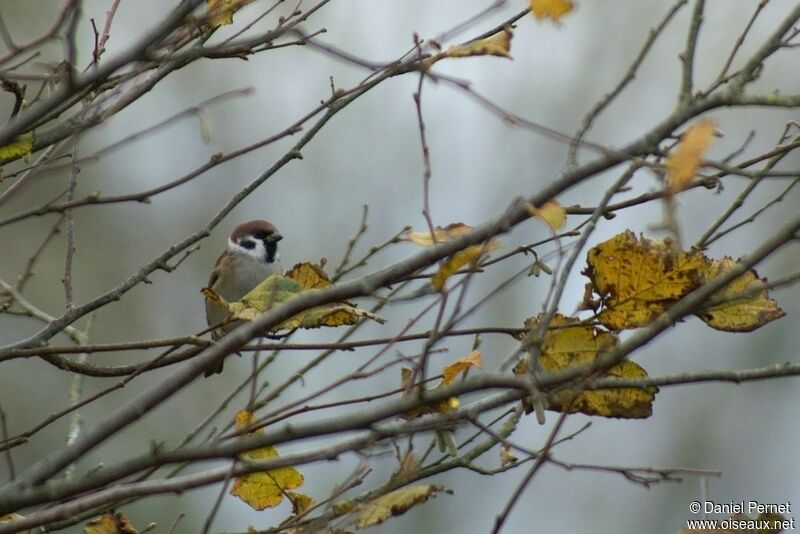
{"type": "Point", "coordinates": [258, 252]}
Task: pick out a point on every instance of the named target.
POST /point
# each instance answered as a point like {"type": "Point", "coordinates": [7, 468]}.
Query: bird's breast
{"type": "Point", "coordinates": [246, 274]}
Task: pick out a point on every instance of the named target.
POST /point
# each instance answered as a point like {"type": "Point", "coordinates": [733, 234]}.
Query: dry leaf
{"type": "Point", "coordinates": [744, 304]}
{"type": "Point", "coordinates": [221, 11]}
{"type": "Point", "coordinates": [569, 344]}
{"type": "Point", "coordinates": [498, 44]}
{"type": "Point", "coordinates": [397, 502]}
{"type": "Point", "coordinates": [301, 502]}
{"type": "Point", "coordinates": [469, 255]}
{"type": "Point", "coordinates": [110, 523]}
{"type": "Point", "coordinates": [458, 260]}
{"type": "Point", "coordinates": [344, 507]}
{"type": "Point", "coordinates": [551, 213]}
{"type": "Point", "coordinates": [683, 162]}
{"type": "Point", "coordinates": [14, 517]}
{"type": "Point", "coordinates": [275, 290]}
{"type": "Point", "coordinates": [449, 374]}
{"type": "Point", "coordinates": [506, 456]}
{"type": "Point", "coordinates": [405, 381]}
{"type": "Point", "coordinates": [309, 276]}
{"type": "Point", "coordinates": [265, 489]}
{"type": "Point", "coordinates": [460, 366]}
{"type": "Point", "coordinates": [449, 232]}
{"type": "Point", "coordinates": [551, 9]}
{"type": "Point", "coordinates": [638, 279]}
{"type": "Point", "coordinates": [21, 146]}
{"type": "Point", "coordinates": [409, 465]}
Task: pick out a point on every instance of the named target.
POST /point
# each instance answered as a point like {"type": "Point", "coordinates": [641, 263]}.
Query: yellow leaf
{"type": "Point", "coordinates": [638, 278]}
{"type": "Point", "coordinates": [451, 372]}
{"type": "Point", "coordinates": [21, 146]}
{"type": "Point", "coordinates": [743, 304]}
{"type": "Point", "coordinates": [405, 381]}
{"type": "Point", "coordinates": [449, 232]}
{"type": "Point", "coordinates": [506, 456]}
{"type": "Point", "coordinates": [551, 213]}
{"type": "Point", "coordinates": [244, 419]}
{"type": "Point", "coordinates": [263, 489]}
{"type": "Point", "coordinates": [469, 255]}
{"type": "Point", "coordinates": [301, 502]}
{"type": "Point", "coordinates": [567, 344]}
{"type": "Point", "coordinates": [221, 11]}
{"type": "Point", "coordinates": [405, 377]}
{"type": "Point", "coordinates": [344, 507]}
{"type": "Point", "coordinates": [309, 276]}
{"type": "Point", "coordinates": [214, 297]}
{"type": "Point", "coordinates": [272, 291]}
{"type": "Point", "coordinates": [14, 517]}
{"type": "Point", "coordinates": [275, 290]}
{"type": "Point", "coordinates": [331, 315]}
{"type": "Point", "coordinates": [110, 523]}
{"type": "Point", "coordinates": [622, 402]}
{"type": "Point", "coordinates": [551, 9]}
{"type": "Point", "coordinates": [394, 503]}
{"type": "Point", "coordinates": [498, 44]}
{"type": "Point", "coordinates": [409, 466]}
{"type": "Point", "coordinates": [683, 162]}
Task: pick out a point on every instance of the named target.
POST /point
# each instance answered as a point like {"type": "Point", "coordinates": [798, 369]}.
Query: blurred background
{"type": "Point", "coordinates": [370, 155]}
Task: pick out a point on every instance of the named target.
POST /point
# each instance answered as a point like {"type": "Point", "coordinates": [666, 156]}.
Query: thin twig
{"type": "Point", "coordinates": [70, 223]}
{"type": "Point", "coordinates": [76, 421]}
{"type": "Point", "coordinates": [426, 154]}
{"type": "Point", "coordinates": [351, 244]}
{"type": "Point", "coordinates": [218, 501]}
{"type": "Point", "coordinates": [689, 52]}
{"type": "Point", "coordinates": [630, 75]}
{"type": "Point", "coordinates": [101, 44]}
{"type": "Point", "coordinates": [706, 239]}
{"type": "Point", "coordinates": [12, 474]}
{"type": "Point", "coordinates": [723, 75]}
{"type": "Point", "coordinates": [537, 464]}
{"type": "Point", "coordinates": [27, 175]}
{"type": "Point", "coordinates": [27, 273]}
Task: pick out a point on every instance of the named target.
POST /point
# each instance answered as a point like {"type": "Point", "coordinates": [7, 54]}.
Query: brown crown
{"type": "Point", "coordinates": [253, 228]}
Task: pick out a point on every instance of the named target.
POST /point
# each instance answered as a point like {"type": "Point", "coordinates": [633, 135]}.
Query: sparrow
{"type": "Point", "coordinates": [251, 256]}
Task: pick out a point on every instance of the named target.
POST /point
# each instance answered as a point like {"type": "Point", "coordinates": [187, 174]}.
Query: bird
{"type": "Point", "coordinates": [250, 257]}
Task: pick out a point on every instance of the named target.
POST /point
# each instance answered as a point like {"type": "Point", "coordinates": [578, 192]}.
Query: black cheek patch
{"type": "Point", "coordinates": [246, 243]}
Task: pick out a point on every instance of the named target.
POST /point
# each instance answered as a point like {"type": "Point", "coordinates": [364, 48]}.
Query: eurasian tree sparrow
{"type": "Point", "coordinates": [251, 256]}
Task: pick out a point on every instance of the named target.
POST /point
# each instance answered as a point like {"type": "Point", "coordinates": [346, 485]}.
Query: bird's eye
{"type": "Point", "coordinates": [246, 243]}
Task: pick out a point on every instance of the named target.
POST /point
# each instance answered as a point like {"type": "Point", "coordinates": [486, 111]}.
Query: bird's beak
{"type": "Point", "coordinates": [274, 238]}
